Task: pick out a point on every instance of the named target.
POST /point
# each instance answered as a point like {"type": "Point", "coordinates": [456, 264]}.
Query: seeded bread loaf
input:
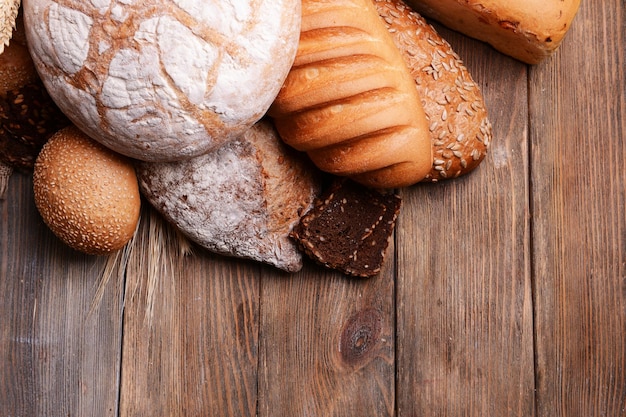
{"type": "Point", "coordinates": [455, 109]}
{"type": "Point", "coordinates": [528, 30]}
{"type": "Point", "coordinates": [350, 101]}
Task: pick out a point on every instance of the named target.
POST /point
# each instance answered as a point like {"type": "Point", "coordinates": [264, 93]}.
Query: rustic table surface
{"type": "Point", "coordinates": [504, 293]}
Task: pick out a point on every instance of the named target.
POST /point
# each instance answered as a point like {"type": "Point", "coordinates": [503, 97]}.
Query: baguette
{"type": "Point", "coordinates": [349, 100]}
{"type": "Point", "coordinates": [528, 30]}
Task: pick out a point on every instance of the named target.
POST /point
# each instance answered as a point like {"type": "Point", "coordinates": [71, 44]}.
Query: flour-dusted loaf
{"type": "Point", "coordinates": [162, 80]}
{"type": "Point", "coordinates": [528, 30]}
{"type": "Point", "coordinates": [455, 109]}
{"type": "Point", "coordinates": [242, 199]}
{"type": "Point", "coordinates": [350, 101]}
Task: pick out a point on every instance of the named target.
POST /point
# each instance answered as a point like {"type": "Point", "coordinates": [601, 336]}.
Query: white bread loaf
{"type": "Point", "coordinates": [528, 30]}
{"type": "Point", "coordinates": [454, 106]}
{"type": "Point", "coordinates": [163, 80]}
{"type": "Point", "coordinates": [350, 101]}
{"type": "Point", "coordinates": [241, 200]}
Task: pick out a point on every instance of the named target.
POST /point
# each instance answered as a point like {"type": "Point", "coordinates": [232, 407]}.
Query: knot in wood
{"type": "Point", "coordinates": [360, 336]}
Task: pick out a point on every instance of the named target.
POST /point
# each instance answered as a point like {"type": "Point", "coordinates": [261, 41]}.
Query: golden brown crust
{"type": "Point", "coordinates": [528, 30]}
{"type": "Point", "coordinates": [87, 194]}
{"type": "Point", "coordinates": [349, 89]}
{"type": "Point", "coordinates": [454, 106]}
{"type": "Point", "coordinates": [16, 68]}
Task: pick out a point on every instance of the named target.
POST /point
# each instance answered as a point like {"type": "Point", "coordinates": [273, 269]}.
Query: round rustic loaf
{"type": "Point", "coordinates": [87, 194]}
{"type": "Point", "coordinates": [163, 80]}
{"type": "Point", "coordinates": [455, 109]}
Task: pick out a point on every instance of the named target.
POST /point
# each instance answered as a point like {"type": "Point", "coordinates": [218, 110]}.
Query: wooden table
{"type": "Point", "coordinates": [504, 293]}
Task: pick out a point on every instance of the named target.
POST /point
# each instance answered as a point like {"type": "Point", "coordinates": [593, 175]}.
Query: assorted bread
{"type": "Point", "coordinates": [168, 103]}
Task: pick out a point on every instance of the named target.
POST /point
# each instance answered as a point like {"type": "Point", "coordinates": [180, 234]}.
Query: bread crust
{"type": "Point", "coordinates": [87, 194]}
{"type": "Point", "coordinates": [528, 30]}
{"type": "Point", "coordinates": [348, 91]}
{"type": "Point", "coordinates": [240, 200]}
{"type": "Point", "coordinates": [163, 80]}
{"type": "Point", "coordinates": [455, 109]}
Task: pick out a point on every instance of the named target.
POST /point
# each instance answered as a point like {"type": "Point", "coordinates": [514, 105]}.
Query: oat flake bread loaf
{"type": "Point", "coordinates": [350, 101]}
{"type": "Point", "coordinates": [455, 109]}
{"type": "Point", "coordinates": [161, 80]}
{"type": "Point", "coordinates": [528, 30]}
{"type": "Point", "coordinates": [241, 200]}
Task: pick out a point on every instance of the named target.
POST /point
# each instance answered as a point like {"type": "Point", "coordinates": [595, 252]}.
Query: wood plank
{"type": "Point", "coordinates": [578, 113]}
{"type": "Point", "coordinates": [327, 344]}
{"type": "Point", "coordinates": [190, 330]}
{"type": "Point", "coordinates": [464, 329]}
{"type": "Point", "coordinates": [61, 330]}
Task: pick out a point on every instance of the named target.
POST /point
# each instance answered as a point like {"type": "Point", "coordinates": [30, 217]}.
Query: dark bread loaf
{"type": "Point", "coordinates": [28, 116]}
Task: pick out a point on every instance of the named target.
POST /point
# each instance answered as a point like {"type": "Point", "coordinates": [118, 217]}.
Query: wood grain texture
{"type": "Point", "coordinates": [578, 125]}
{"type": "Point", "coordinates": [465, 340]}
{"type": "Point", "coordinates": [327, 344]}
{"type": "Point", "coordinates": [503, 294]}
{"type": "Point", "coordinates": [61, 328]}
{"type": "Point", "coordinates": [190, 330]}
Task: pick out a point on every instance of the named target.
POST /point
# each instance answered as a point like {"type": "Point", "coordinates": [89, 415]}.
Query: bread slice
{"type": "Point", "coordinates": [349, 228]}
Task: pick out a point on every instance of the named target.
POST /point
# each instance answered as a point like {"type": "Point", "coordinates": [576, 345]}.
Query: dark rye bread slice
{"type": "Point", "coordinates": [349, 228]}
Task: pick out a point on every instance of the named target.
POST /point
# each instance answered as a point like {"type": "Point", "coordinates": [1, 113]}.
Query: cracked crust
{"type": "Point", "coordinates": [163, 80]}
